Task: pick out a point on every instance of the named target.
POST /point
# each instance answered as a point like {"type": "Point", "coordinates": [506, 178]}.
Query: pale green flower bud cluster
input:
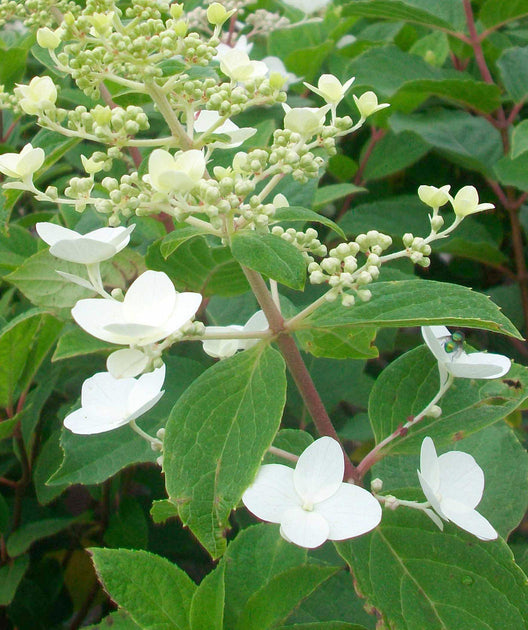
{"type": "Point", "coordinates": [35, 12]}
{"type": "Point", "coordinates": [289, 154]}
{"type": "Point", "coordinates": [124, 198]}
{"type": "Point", "coordinates": [417, 249]}
{"type": "Point", "coordinates": [264, 22]}
{"type": "Point", "coordinates": [108, 125]}
{"type": "Point", "coordinates": [307, 242]}
{"type": "Point", "coordinates": [79, 188]}
{"type": "Point", "coordinates": [341, 271]}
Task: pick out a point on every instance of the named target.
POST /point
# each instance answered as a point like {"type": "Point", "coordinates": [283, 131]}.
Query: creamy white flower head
{"type": "Point", "coordinates": [453, 484]}
{"type": "Point", "coordinates": [85, 249]}
{"type": "Point", "coordinates": [237, 136]}
{"type": "Point", "coordinates": [311, 503]}
{"type": "Point", "coordinates": [241, 44]}
{"type": "Point", "coordinates": [457, 362]}
{"type": "Point", "coordinates": [276, 65]}
{"type": "Point", "coordinates": [127, 363]}
{"type": "Point", "coordinates": [434, 197]}
{"type": "Point", "coordinates": [367, 104]}
{"type": "Point", "coordinates": [307, 6]}
{"type": "Point", "coordinates": [38, 96]}
{"type": "Point", "coordinates": [22, 165]}
{"type": "Point", "coordinates": [306, 121]}
{"type": "Point", "coordinates": [224, 348]}
{"type": "Point", "coordinates": [466, 202]}
{"type": "Point", "coordinates": [238, 66]}
{"type": "Point", "coordinates": [109, 403]}
{"type": "Point", "coordinates": [151, 310]}
{"type": "Point", "coordinates": [179, 173]}
{"type": "Point", "coordinates": [330, 89]}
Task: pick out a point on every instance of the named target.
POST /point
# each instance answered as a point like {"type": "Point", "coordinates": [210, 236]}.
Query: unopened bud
{"type": "Point", "coordinates": [435, 411]}
{"type": "Point", "coordinates": [376, 485]}
{"type": "Point", "coordinates": [46, 38]}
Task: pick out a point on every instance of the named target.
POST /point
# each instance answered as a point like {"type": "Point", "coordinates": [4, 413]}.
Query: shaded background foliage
{"type": "Point", "coordinates": [455, 74]}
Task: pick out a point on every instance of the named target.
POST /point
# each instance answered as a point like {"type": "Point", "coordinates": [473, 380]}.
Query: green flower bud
{"type": "Point", "coordinates": [46, 38]}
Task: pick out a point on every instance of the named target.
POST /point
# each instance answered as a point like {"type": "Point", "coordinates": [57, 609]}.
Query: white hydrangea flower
{"type": "Point", "coordinates": [179, 173]}
{"type": "Point", "coordinates": [466, 202]}
{"type": "Point", "coordinates": [109, 403]}
{"type": "Point", "coordinates": [367, 104]}
{"type": "Point", "coordinates": [38, 96]}
{"type": "Point", "coordinates": [311, 503]}
{"type": "Point", "coordinates": [127, 363]}
{"type": "Point", "coordinates": [307, 6]}
{"type": "Point", "coordinates": [453, 360]}
{"type": "Point", "coordinates": [306, 121]}
{"type": "Point", "coordinates": [433, 196]}
{"type": "Point", "coordinates": [237, 136]}
{"type": "Point", "coordinates": [453, 484]}
{"type": "Point", "coordinates": [224, 348]}
{"type": "Point", "coordinates": [85, 249]}
{"type": "Point", "coordinates": [151, 310]}
{"type": "Point", "coordinates": [330, 89]}
{"type": "Point", "coordinates": [241, 44]}
{"type": "Point", "coordinates": [22, 165]}
{"type": "Point", "coordinates": [238, 66]}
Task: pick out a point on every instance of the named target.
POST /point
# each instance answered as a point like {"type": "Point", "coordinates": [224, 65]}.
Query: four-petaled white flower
{"type": "Point", "coordinates": [206, 119]}
{"type": "Point", "coordinates": [224, 348]}
{"type": "Point", "coordinates": [179, 173]}
{"type": "Point", "coordinates": [109, 403]}
{"type": "Point", "coordinates": [433, 196]}
{"type": "Point", "coordinates": [307, 6]}
{"type": "Point", "coordinates": [466, 202]}
{"type": "Point", "coordinates": [151, 310]}
{"type": "Point", "coordinates": [22, 165]}
{"type": "Point", "coordinates": [38, 96]}
{"type": "Point", "coordinates": [367, 104]}
{"type": "Point", "coordinates": [236, 64]}
{"type": "Point", "coordinates": [453, 484]}
{"type": "Point", "coordinates": [85, 249]}
{"type": "Point", "coordinates": [311, 503]}
{"type": "Point", "coordinates": [242, 44]}
{"type": "Point", "coordinates": [330, 89]}
{"type": "Point", "coordinates": [458, 363]}
{"type": "Point", "coordinates": [307, 121]}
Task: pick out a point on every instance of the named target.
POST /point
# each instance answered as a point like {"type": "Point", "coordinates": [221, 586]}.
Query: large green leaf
{"type": "Point", "coordinates": [324, 625]}
{"type": "Point", "coordinates": [11, 575]}
{"type": "Point", "coordinates": [414, 303]}
{"type": "Point", "coordinates": [217, 434]}
{"type": "Point", "coordinates": [339, 341]}
{"type": "Point", "coordinates": [393, 153]}
{"type": "Point", "coordinates": [295, 213]}
{"type": "Point", "coordinates": [21, 539]}
{"type": "Point", "coordinates": [174, 239]}
{"type": "Point", "coordinates": [272, 256]}
{"type": "Point", "coordinates": [520, 139]}
{"type": "Point", "coordinates": [90, 459]}
{"type": "Point", "coordinates": [495, 13]}
{"type": "Point", "coordinates": [154, 592]}
{"type": "Point", "coordinates": [199, 267]}
{"type": "Point", "coordinates": [395, 10]}
{"type": "Point", "coordinates": [513, 67]}
{"type": "Point", "coordinates": [419, 577]}
{"type": "Point", "coordinates": [470, 141]}
{"type": "Point", "coordinates": [504, 462]}
{"type": "Point", "coordinates": [407, 385]}
{"type": "Point", "coordinates": [207, 606]}
{"type": "Point", "coordinates": [513, 172]}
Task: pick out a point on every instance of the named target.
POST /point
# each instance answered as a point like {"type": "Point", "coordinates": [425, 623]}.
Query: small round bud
{"type": "Point", "coordinates": [376, 485]}
{"type": "Point", "coordinates": [160, 434]}
{"type": "Point", "coordinates": [348, 300]}
{"type": "Point", "coordinates": [437, 223]}
{"type": "Point", "coordinates": [434, 412]}
{"type": "Point", "coordinates": [407, 239]}
{"type": "Point", "coordinates": [117, 294]}
{"type": "Point", "coordinates": [391, 502]}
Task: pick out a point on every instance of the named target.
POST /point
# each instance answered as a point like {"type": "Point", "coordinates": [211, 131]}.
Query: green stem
{"type": "Point", "coordinates": [159, 97]}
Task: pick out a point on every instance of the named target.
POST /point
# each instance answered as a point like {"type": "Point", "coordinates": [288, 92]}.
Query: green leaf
{"type": "Point", "coordinates": [39, 281]}
{"type": "Point", "coordinates": [512, 65]}
{"type": "Point", "coordinates": [200, 267]}
{"type": "Point", "coordinates": [333, 192]}
{"type": "Point", "coordinates": [490, 447]}
{"type": "Point", "coordinates": [173, 240]}
{"type": "Point", "coordinates": [127, 526]}
{"type": "Point", "coordinates": [11, 575]}
{"type": "Point", "coordinates": [117, 620]}
{"type": "Point", "coordinates": [339, 341]}
{"type": "Point", "coordinates": [276, 599]}
{"type": "Point", "coordinates": [207, 606]}
{"type": "Point", "coordinates": [496, 13]}
{"type": "Point", "coordinates": [519, 139]}
{"type": "Point", "coordinates": [48, 462]}
{"type": "Point", "coordinates": [394, 10]}
{"type": "Point", "coordinates": [216, 437]}
{"type": "Point", "coordinates": [154, 592]}
{"type": "Point", "coordinates": [22, 539]}
{"type": "Point", "coordinates": [257, 555]}
{"type": "Point", "coordinates": [76, 342]}
{"type": "Point", "coordinates": [393, 153]}
{"type": "Point", "coordinates": [513, 172]}
{"type": "Point", "coordinates": [295, 213]}
{"type": "Point", "coordinates": [7, 427]}
{"type": "Point", "coordinates": [324, 625]}
{"type": "Point", "coordinates": [90, 459]}
{"type": "Point", "coordinates": [407, 385]}
{"type": "Point", "coordinates": [415, 303]}
{"type": "Point", "coordinates": [469, 141]}
{"type": "Point", "coordinates": [162, 510]}
{"type": "Point", "coordinates": [433, 48]}
{"type": "Point", "coordinates": [272, 256]}
{"type": "Point", "coordinates": [420, 577]}
{"type": "Point", "coordinates": [13, 66]}
{"type": "Point", "coordinates": [15, 247]}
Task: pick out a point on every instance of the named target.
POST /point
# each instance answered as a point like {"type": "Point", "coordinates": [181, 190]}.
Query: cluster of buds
{"type": "Point", "coordinates": [340, 270]}
{"type": "Point", "coordinates": [307, 242]}
{"type": "Point", "coordinates": [35, 12]}
{"type": "Point", "coordinates": [112, 126]}
{"type": "Point", "coordinates": [417, 249]}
